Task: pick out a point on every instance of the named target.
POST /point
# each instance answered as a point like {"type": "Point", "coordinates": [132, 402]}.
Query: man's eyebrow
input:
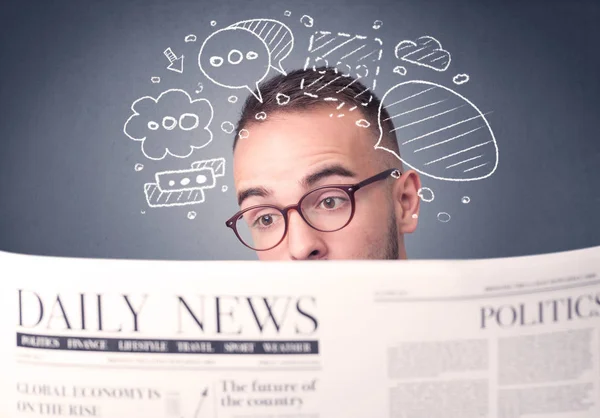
{"type": "Point", "coordinates": [332, 170]}
{"type": "Point", "coordinates": [253, 191]}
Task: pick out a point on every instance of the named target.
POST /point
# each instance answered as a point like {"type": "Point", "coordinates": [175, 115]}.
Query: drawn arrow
{"type": "Point", "coordinates": [204, 394]}
{"type": "Point", "coordinates": [175, 64]}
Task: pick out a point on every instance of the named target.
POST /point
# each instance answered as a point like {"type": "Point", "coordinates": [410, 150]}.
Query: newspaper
{"type": "Point", "coordinates": [499, 338]}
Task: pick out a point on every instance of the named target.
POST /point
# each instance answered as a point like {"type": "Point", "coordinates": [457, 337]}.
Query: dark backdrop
{"type": "Point", "coordinates": [71, 70]}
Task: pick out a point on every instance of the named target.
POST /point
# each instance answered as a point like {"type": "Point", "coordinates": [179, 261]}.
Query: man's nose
{"type": "Point", "coordinates": [304, 242]}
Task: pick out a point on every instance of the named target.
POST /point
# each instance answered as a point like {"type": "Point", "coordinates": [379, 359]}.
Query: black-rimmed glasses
{"type": "Point", "coordinates": [326, 209]}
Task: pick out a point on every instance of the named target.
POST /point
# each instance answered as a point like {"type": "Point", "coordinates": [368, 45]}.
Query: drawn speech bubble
{"type": "Point", "coordinates": [440, 133]}
{"type": "Point", "coordinates": [277, 36]}
{"type": "Point", "coordinates": [235, 58]}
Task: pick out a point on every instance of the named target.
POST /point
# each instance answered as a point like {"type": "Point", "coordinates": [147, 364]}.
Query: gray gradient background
{"type": "Point", "coordinates": [71, 69]}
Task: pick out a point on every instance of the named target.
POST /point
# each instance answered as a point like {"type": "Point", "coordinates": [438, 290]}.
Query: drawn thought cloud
{"type": "Point", "coordinates": [441, 134]}
{"type": "Point", "coordinates": [171, 124]}
{"type": "Point", "coordinates": [426, 51]}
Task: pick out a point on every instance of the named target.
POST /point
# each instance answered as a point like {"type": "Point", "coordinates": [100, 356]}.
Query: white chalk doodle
{"type": "Point", "coordinates": [182, 180]}
{"type": "Point", "coordinates": [244, 133]}
{"type": "Point", "coordinates": [194, 124]}
{"type": "Point", "coordinates": [287, 13]}
{"type": "Point", "coordinates": [199, 88]}
{"type": "Point", "coordinates": [426, 51]}
{"type": "Point", "coordinates": [232, 99]}
{"type": "Point", "coordinates": [227, 127]}
{"type": "Point", "coordinates": [399, 69]}
{"type": "Point", "coordinates": [155, 80]}
{"type": "Point", "coordinates": [363, 123]}
{"type": "Point", "coordinates": [426, 194]}
{"type": "Point", "coordinates": [224, 189]}
{"type": "Point", "coordinates": [465, 199]}
{"type": "Point", "coordinates": [307, 21]}
{"type": "Point", "coordinates": [282, 99]}
{"type": "Point", "coordinates": [441, 133]}
{"type": "Point", "coordinates": [143, 212]}
{"type": "Point", "coordinates": [138, 167]}
{"type": "Point", "coordinates": [190, 38]}
{"type": "Point", "coordinates": [460, 79]}
{"type": "Point", "coordinates": [235, 56]}
{"type": "Point", "coordinates": [354, 55]}
{"type": "Point", "coordinates": [443, 217]}
{"type": "Point", "coordinates": [175, 63]}
{"type": "Point", "coordinates": [276, 35]}
{"type": "Point", "coordinates": [213, 23]}
{"type": "Point", "coordinates": [157, 198]}
{"type": "Point", "coordinates": [188, 121]}
{"type": "Point", "coordinates": [191, 215]}
{"type": "Point", "coordinates": [184, 187]}
{"type": "Point", "coordinates": [215, 164]}
{"type": "Point", "coordinates": [266, 43]}
{"type": "Point", "coordinates": [169, 123]}
{"type": "Point", "coordinates": [216, 61]}
{"type": "Point", "coordinates": [260, 116]}
{"type": "Point", "coordinates": [377, 24]}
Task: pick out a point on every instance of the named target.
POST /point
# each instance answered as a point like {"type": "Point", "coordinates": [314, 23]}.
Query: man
{"type": "Point", "coordinates": [309, 182]}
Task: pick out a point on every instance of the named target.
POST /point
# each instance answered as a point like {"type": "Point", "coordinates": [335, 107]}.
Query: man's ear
{"type": "Point", "coordinates": [405, 193]}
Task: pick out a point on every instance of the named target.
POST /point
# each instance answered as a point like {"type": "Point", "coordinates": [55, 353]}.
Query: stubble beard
{"type": "Point", "coordinates": [390, 250]}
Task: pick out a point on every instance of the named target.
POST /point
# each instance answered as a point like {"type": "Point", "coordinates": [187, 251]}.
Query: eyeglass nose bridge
{"type": "Point", "coordinates": [298, 208]}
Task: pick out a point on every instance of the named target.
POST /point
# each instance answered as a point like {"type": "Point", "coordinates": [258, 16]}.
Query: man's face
{"type": "Point", "coordinates": [285, 151]}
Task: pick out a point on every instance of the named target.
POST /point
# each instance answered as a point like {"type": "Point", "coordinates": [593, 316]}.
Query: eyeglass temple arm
{"type": "Point", "coordinates": [377, 177]}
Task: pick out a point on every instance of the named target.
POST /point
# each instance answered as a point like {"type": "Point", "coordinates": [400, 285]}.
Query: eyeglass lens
{"type": "Point", "coordinates": [263, 227]}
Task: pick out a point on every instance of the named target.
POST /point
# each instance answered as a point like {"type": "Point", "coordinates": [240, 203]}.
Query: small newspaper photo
{"type": "Point", "coordinates": [491, 338]}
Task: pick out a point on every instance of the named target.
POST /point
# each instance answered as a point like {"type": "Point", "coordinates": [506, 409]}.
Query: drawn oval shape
{"type": "Point", "coordinates": [440, 133]}
{"type": "Point", "coordinates": [216, 61]}
{"type": "Point", "coordinates": [189, 121]}
{"type": "Point", "coordinates": [227, 127]}
{"type": "Point", "coordinates": [235, 57]}
{"type": "Point", "coordinates": [444, 217]}
{"type": "Point", "coordinates": [169, 123]}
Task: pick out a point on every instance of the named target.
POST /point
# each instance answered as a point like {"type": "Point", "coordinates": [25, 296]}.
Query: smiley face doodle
{"type": "Point", "coordinates": [171, 124]}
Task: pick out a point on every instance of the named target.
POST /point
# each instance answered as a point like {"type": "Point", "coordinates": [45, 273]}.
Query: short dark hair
{"type": "Point", "coordinates": [307, 89]}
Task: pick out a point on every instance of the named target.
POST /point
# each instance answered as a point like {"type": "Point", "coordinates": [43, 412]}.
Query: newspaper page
{"type": "Point", "coordinates": [499, 338]}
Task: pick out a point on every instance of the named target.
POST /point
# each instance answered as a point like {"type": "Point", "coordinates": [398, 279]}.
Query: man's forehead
{"type": "Point", "coordinates": [302, 135]}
